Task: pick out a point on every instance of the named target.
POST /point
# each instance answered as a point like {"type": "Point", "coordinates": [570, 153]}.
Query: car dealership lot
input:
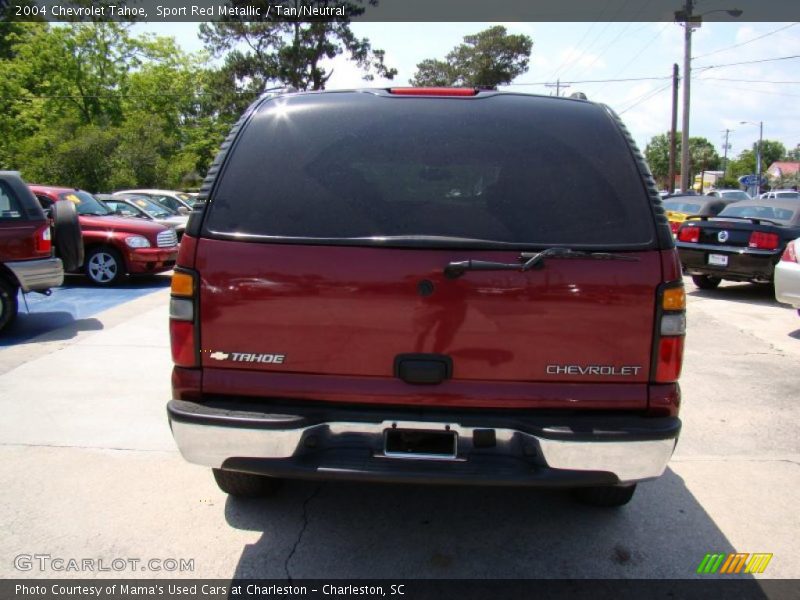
{"type": "Point", "coordinates": [91, 471]}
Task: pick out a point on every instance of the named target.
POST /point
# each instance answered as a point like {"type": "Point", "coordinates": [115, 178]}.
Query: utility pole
{"type": "Point", "coordinates": [690, 21]}
{"type": "Point", "coordinates": [687, 78]}
{"type": "Point", "coordinates": [558, 85]}
{"type": "Point", "coordinates": [725, 147]}
{"type": "Point", "coordinates": [673, 134]}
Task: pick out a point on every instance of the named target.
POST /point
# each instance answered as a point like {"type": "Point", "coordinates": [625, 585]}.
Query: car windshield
{"type": "Point", "coordinates": [185, 197]}
{"type": "Point", "coordinates": [684, 207]}
{"type": "Point", "coordinates": [764, 211]}
{"type": "Point", "coordinates": [787, 195]}
{"type": "Point", "coordinates": [85, 203]}
{"type": "Point", "coordinates": [170, 204]}
{"type": "Point", "coordinates": [152, 208]}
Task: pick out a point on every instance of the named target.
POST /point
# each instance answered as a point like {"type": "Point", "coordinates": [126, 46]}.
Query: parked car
{"type": "Point", "coordinates": [114, 246]}
{"type": "Point", "coordinates": [27, 240]}
{"type": "Point", "coordinates": [142, 207]}
{"type": "Point", "coordinates": [178, 202]}
{"type": "Point", "coordinates": [730, 194]}
{"type": "Point", "coordinates": [742, 243]}
{"type": "Point", "coordinates": [678, 208]}
{"type": "Point", "coordinates": [787, 275]}
{"type": "Point", "coordinates": [781, 194]}
{"type": "Point", "coordinates": [339, 312]}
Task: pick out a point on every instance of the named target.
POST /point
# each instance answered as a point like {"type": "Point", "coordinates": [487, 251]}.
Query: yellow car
{"type": "Point", "coordinates": [678, 208]}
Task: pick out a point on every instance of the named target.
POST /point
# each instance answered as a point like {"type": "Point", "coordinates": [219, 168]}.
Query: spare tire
{"type": "Point", "coordinates": [67, 237]}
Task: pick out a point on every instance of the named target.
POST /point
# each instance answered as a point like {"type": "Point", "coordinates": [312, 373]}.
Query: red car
{"type": "Point", "coordinates": [114, 246]}
{"type": "Point", "coordinates": [414, 285]}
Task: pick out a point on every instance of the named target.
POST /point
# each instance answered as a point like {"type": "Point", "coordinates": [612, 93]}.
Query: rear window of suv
{"type": "Point", "coordinates": [361, 168]}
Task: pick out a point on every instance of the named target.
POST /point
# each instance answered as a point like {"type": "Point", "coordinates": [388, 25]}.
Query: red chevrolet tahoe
{"type": "Point", "coordinates": [428, 285]}
{"type": "Point", "coordinates": [115, 246]}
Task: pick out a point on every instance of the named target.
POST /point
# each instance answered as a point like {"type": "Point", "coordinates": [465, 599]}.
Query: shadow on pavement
{"type": "Point", "coordinates": [138, 282]}
{"type": "Point", "coordinates": [356, 530]}
{"type": "Point", "coordinates": [748, 293]}
{"type": "Point", "coordinates": [62, 326]}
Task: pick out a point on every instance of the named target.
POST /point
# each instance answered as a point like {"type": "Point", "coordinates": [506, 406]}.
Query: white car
{"type": "Point", "coordinates": [787, 275]}
{"type": "Point", "coordinates": [783, 194]}
{"type": "Point", "coordinates": [177, 202]}
{"type": "Point", "coordinates": [730, 194]}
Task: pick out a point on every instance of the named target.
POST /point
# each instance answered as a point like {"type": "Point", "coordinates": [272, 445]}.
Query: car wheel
{"type": "Point", "coordinates": [104, 266]}
{"type": "Point", "coordinates": [706, 282]}
{"type": "Point", "coordinates": [246, 485]}
{"type": "Point", "coordinates": [67, 237]}
{"type": "Point", "coordinates": [606, 495]}
{"type": "Point", "coordinates": [8, 303]}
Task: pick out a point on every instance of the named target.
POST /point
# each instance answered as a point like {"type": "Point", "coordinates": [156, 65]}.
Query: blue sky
{"type": "Point", "coordinates": [722, 97]}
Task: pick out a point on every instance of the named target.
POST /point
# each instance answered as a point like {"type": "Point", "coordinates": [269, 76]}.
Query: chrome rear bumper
{"type": "Point", "coordinates": [39, 274]}
{"type": "Point", "coordinates": [290, 445]}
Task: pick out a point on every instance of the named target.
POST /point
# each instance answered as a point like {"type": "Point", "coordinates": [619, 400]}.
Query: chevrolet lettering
{"type": "Point", "coordinates": [607, 370]}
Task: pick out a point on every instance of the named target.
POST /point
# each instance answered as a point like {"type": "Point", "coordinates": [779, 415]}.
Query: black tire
{"type": "Point", "coordinates": [246, 485]}
{"type": "Point", "coordinates": [104, 266]}
{"type": "Point", "coordinates": [8, 303]}
{"type": "Point", "coordinates": [67, 237]}
{"type": "Point", "coordinates": [706, 282]}
{"type": "Point", "coordinates": [606, 495]}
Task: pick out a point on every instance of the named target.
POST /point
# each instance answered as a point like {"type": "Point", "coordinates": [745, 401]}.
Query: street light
{"type": "Point", "coordinates": [690, 21]}
{"type": "Point", "coordinates": [758, 151]}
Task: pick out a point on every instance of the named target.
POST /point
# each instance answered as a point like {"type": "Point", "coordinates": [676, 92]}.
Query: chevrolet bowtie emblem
{"type": "Point", "coordinates": [219, 356]}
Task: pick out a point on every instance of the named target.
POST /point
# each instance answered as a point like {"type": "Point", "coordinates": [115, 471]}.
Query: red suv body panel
{"type": "Point", "coordinates": [352, 313]}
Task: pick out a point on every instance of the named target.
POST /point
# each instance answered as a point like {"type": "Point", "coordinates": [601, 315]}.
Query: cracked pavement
{"type": "Point", "coordinates": [91, 471]}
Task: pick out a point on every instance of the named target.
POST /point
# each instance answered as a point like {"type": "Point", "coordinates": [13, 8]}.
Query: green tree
{"type": "Point", "coordinates": [90, 105]}
{"type": "Point", "coordinates": [745, 163]}
{"type": "Point", "coordinates": [486, 59]}
{"type": "Point", "coordinates": [293, 53]}
{"type": "Point", "coordinates": [702, 156]}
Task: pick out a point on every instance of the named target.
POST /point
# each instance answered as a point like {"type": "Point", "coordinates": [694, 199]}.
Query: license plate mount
{"type": "Point", "coordinates": [420, 444]}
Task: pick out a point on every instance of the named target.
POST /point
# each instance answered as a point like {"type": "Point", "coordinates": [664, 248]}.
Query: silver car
{"type": "Point", "coordinates": [142, 207]}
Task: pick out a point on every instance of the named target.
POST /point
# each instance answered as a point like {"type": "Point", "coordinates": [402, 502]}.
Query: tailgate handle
{"type": "Point", "coordinates": [425, 369]}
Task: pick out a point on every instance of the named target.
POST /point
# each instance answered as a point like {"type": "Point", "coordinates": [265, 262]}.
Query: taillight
{"type": "Point", "coordinates": [689, 234]}
{"type": "Point", "coordinates": [674, 226]}
{"type": "Point", "coordinates": [764, 241]}
{"type": "Point", "coordinates": [433, 91]}
{"type": "Point", "coordinates": [182, 318]}
{"type": "Point", "coordinates": [42, 240]}
{"type": "Point", "coordinates": [790, 254]}
{"type": "Point", "coordinates": [670, 332]}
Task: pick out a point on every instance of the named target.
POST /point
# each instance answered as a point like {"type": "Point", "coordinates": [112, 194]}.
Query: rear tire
{"type": "Point", "coordinates": [67, 237]}
{"type": "Point", "coordinates": [8, 303]}
{"type": "Point", "coordinates": [706, 282]}
{"type": "Point", "coordinates": [606, 495]}
{"type": "Point", "coordinates": [246, 485]}
{"type": "Point", "coordinates": [104, 266]}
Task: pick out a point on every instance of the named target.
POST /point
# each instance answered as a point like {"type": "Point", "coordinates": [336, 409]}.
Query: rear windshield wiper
{"type": "Point", "coordinates": [532, 260]}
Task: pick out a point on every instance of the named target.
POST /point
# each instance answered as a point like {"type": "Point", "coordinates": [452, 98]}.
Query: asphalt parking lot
{"type": "Point", "coordinates": [91, 470]}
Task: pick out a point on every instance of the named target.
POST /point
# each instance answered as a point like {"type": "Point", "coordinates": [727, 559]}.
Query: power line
{"type": "Point", "coordinates": [593, 81]}
{"type": "Point", "coordinates": [747, 42]}
{"type": "Point", "coordinates": [647, 96]}
{"type": "Point", "coordinates": [745, 80]}
{"type": "Point", "coordinates": [749, 62]}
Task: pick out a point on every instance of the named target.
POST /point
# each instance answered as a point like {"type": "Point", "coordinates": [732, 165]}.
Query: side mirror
{"type": "Point", "coordinates": [182, 210]}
